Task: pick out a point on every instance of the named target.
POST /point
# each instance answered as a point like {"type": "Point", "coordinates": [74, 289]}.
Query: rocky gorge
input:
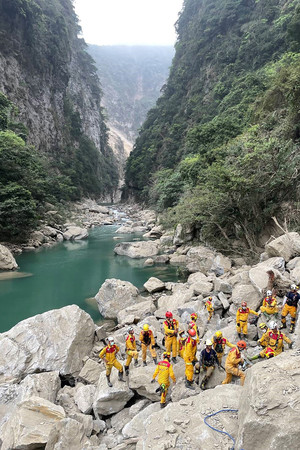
{"type": "Point", "coordinates": [53, 390]}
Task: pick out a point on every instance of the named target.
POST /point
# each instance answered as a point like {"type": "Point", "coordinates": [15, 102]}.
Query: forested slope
{"type": "Point", "coordinates": [221, 146]}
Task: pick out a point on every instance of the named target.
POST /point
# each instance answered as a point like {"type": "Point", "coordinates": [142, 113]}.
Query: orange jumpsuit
{"type": "Point", "coordinates": [171, 330]}
{"type": "Point", "coordinates": [269, 305]}
{"type": "Point", "coordinates": [147, 340]}
{"type": "Point", "coordinates": [210, 309]}
{"type": "Point", "coordinates": [164, 370]}
{"type": "Point", "coordinates": [131, 349]}
{"type": "Point", "coordinates": [234, 358]}
{"type": "Point", "coordinates": [242, 319]}
{"type": "Point", "coordinates": [274, 341]}
{"type": "Point", "coordinates": [219, 346]}
{"type": "Point", "coordinates": [109, 353]}
{"type": "Point", "coordinates": [189, 356]}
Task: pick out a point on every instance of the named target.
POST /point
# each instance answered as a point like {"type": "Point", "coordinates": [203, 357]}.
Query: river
{"type": "Point", "coordinates": [70, 273]}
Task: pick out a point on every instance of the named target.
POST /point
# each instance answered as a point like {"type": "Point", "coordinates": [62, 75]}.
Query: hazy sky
{"type": "Point", "coordinates": [128, 22]}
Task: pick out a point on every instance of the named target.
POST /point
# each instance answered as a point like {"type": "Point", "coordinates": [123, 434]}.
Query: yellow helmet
{"type": "Point", "coordinates": [218, 334]}
{"type": "Point", "coordinates": [146, 327]}
{"type": "Point", "coordinates": [262, 325]}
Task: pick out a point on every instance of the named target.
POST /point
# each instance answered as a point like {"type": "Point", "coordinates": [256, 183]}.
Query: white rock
{"type": "Point", "coordinates": [75, 233]}
{"type": "Point", "coordinates": [134, 427]}
{"type": "Point", "coordinates": [178, 260]}
{"type": "Point", "coordinates": [111, 400]}
{"type": "Point", "coordinates": [84, 397]}
{"type": "Point", "coordinates": [68, 434]}
{"type": "Point", "coordinates": [140, 381]}
{"type": "Point", "coordinates": [223, 299]}
{"type": "Point", "coordinates": [183, 234]}
{"type": "Point", "coordinates": [136, 313]}
{"type": "Point", "coordinates": [221, 264]}
{"type": "Point", "coordinates": [178, 298]}
{"type": "Point", "coordinates": [154, 285]}
{"type": "Point", "coordinates": [201, 259]}
{"type": "Point", "coordinates": [90, 372]}
{"type": "Point", "coordinates": [137, 407]}
{"type": "Point", "coordinates": [287, 246]}
{"type": "Point", "coordinates": [138, 249]}
{"type": "Point", "coordinates": [7, 261]}
{"type": "Point", "coordinates": [246, 293]}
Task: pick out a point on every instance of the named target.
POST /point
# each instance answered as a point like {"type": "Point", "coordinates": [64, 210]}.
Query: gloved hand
{"type": "Point", "coordinates": [153, 346]}
{"type": "Point", "coordinates": [153, 380]}
{"type": "Point", "coordinates": [238, 324]}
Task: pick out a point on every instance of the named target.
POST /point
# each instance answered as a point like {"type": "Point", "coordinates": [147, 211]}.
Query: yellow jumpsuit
{"type": "Point", "coordinates": [219, 346]}
{"type": "Point", "coordinates": [263, 341]}
{"type": "Point", "coordinates": [269, 305]}
{"type": "Point", "coordinates": [131, 349]}
{"type": "Point", "coordinates": [189, 356]}
{"type": "Point", "coordinates": [210, 309]}
{"type": "Point", "coordinates": [109, 353]}
{"type": "Point", "coordinates": [164, 370]}
{"type": "Point", "coordinates": [194, 327]}
{"type": "Point", "coordinates": [147, 340]}
{"type": "Point", "coordinates": [171, 330]}
{"type": "Point", "coordinates": [290, 307]}
{"type": "Point", "coordinates": [242, 319]}
{"type": "Point", "coordinates": [231, 366]}
{"type": "Point", "coordinates": [180, 346]}
{"type": "Point", "coordinates": [274, 341]}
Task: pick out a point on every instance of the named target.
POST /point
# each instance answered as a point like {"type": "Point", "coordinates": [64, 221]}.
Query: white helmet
{"type": "Point", "coordinates": [208, 342]}
{"type": "Point", "coordinates": [130, 330]}
{"type": "Point", "coordinates": [269, 293]}
{"type": "Point", "coordinates": [273, 325]}
{"type": "Point", "coordinates": [293, 287]}
{"type": "Point", "coordinates": [111, 340]}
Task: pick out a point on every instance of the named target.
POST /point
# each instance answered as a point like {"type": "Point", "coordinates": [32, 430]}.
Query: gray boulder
{"type": "Point", "coordinates": [246, 293]}
{"type": "Point", "coordinates": [287, 246]}
{"type": "Point", "coordinates": [183, 234]}
{"type": "Point", "coordinates": [154, 285]}
{"type": "Point", "coordinates": [138, 249]}
{"type": "Point", "coordinates": [90, 372]}
{"type": "Point", "coordinates": [68, 434]}
{"type": "Point", "coordinates": [75, 233]}
{"type": "Point", "coordinates": [7, 261]}
{"type": "Point", "coordinates": [135, 313]}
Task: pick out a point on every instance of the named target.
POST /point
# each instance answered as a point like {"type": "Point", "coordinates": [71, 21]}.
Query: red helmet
{"type": "Point", "coordinates": [169, 315]}
{"type": "Point", "coordinates": [242, 345]}
{"type": "Point", "coordinates": [194, 315]}
{"type": "Point", "coordinates": [244, 304]}
{"type": "Point", "coordinates": [192, 333]}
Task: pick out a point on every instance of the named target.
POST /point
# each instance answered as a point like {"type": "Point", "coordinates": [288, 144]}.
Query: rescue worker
{"type": "Point", "coordinates": [290, 303]}
{"type": "Point", "coordinates": [181, 343]}
{"type": "Point", "coordinates": [219, 343]}
{"type": "Point", "coordinates": [131, 350]}
{"type": "Point", "coordinates": [147, 340]}
{"type": "Point", "coordinates": [193, 324]}
{"type": "Point", "coordinates": [210, 308]}
{"type": "Point", "coordinates": [233, 360]}
{"type": "Point", "coordinates": [190, 359]}
{"type": "Point", "coordinates": [274, 339]}
{"type": "Point", "coordinates": [108, 354]}
{"type": "Point", "coordinates": [164, 370]}
{"type": "Point", "coordinates": [208, 360]}
{"type": "Point", "coordinates": [263, 341]}
{"type": "Point", "coordinates": [269, 306]}
{"type": "Point", "coordinates": [242, 319]}
{"type": "Point", "coordinates": [171, 330]}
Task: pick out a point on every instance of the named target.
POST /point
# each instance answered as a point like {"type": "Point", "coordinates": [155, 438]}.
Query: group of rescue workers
{"type": "Point", "coordinates": [184, 344]}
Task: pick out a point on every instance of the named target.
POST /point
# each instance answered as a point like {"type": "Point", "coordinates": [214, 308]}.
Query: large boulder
{"type": "Point", "coordinates": [56, 340]}
{"type": "Point", "coordinates": [183, 234]}
{"type": "Point", "coordinates": [154, 285]}
{"type": "Point", "coordinates": [68, 434]}
{"type": "Point", "coordinates": [182, 294]}
{"type": "Point", "coordinates": [201, 259]}
{"type": "Point", "coordinates": [287, 246]}
{"type": "Point", "coordinates": [140, 381]}
{"type": "Point", "coordinates": [115, 295]}
{"type": "Point", "coordinates": [270, 402]}
{"type": "Point", "coordinates": [7, 261]}
{"type": "Point", "coordinates": [75, 233]}
{"type": "Point", "coordinates": [221, 264]}
{"type": "Point", "coordinates": [138, 249]}
{"type": "Point", "coordinates": [107, 400]}
{"type": "Point", "coordinates": [84, 397]}
{"type": "Point", "coordinates": [135, 313]}
{"type": "Point", "coordinates": [259, 274]}
{"type": "Point", "coordinates": [246, 293]}
{"type": "Point", "coordinates": [90, 372]}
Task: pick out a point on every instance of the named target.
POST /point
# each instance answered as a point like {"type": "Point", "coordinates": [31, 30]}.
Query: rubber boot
{"type": "Point", "coordinates": [144, 363]}
{"type": "Point", "coordinates": [253, 358]}
{"type": "Point", "coordinates": [189, 385]}
{"type": "Point", "coordinates": [120, 377]}
{"type": "Point", "coordinates": [174, 359]}
{"type": "Point", "coordinates": [292, 328]}
{"type": "Point", "coordinates": [239, 335]}
{"type": "Point", "coordinates": [203, 383]}
{"type": "Point", "coordinates": [126, 370]}
{"type": "Point", "coordinates": [108, 381]}
{"type": "Point", "coordinates": [283, 325]}
{"type": "Point", "coordinates": [155, 360]}
{"type": "Point", "coordinates": [136, 363]}
{"type": "Point", "coordinates": [163, 405]}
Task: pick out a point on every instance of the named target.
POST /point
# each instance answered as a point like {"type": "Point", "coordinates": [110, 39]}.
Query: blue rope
{"type": "Point", "coordinates": [221, 431]}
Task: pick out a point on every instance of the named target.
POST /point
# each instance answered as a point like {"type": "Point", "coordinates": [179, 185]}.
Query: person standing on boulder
{"type": "Point", "coordinates": [131, 350]}
{"type": "Point", "coordinates": [242, 319]}
{"type": "Point", "coordinates": [210, 308]}
{"type": "Point", "coordinates": [290, 304]}
{"type": "Point", "coordinates": [108, 354]}
{"type": "Point", "coordinates": [189, 356]}
{"type": "Point", "coordinates": [208, 360]}
{"type": "Point", "coordinates": [171, 330]}
{"type": "Point", "coordinates": [147, 340]}
{"type": "Point", "coordinates": [219, 343]}
{"type": "Point", "coordinates": [164, 370]}
{"type": "Point", "coordinates": [233, 360]}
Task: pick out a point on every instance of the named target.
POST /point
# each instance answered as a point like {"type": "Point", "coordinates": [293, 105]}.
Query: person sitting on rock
{"type": "Point", "coordinates": [274, 340]}
{"type": "Point", "coordinates": [219, 343]}
{"type": "Point", "coordinates": [242, 319]}
{"type": "Point", "coordinates": [131, 350]}
{"type": "Point", "coordinates": [108, 354]}
{"type": "Point", "coordinates": [190, 359]}
{"type": "Point", "coordinates": [193, 324]}
{"type": "Point", "coordinates": [181, 343]}
{"type": "Point", "coordinates": [290, 303]}
{"type": "Point", "coordinates": [209, 308]}
{"type": "Point", "coordinates": [147, 340]}
{"type": "Point", "coordinates": [208, 360]}
{"type": "Point", "coordinates": [171, 331]}
{"type": "Point", "coordinates": [233, 360]}
{"type": "Point", "coordinates": [164, 370]}
{"type": "Point", "coordinates": [269, 306]}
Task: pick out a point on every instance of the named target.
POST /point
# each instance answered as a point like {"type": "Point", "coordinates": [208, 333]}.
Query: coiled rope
{"type": "Point", "coordinates": [221, 431]}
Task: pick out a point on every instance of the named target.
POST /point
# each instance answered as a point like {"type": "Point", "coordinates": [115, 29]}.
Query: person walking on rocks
{"type": "Point", "coordinates": [164, 370]}
{"type": "Point", "coordinates": [193, 324]}
{"type": "Point", "coordinates": [171, 331]}
{"type": "Point", "coordinates": [242, 319]}
{"type": "Point", "coordinates": [209, 308]}
{"type": "Point", "coordinates": [131, 350]}
{"type": "Point", "coordinates": [269, 306]}
{"type": "Point", "coordinates": [219, 343]}
{"type": "Point", "coordinates": [233, 360]}
{"type": "Point", "coordinates": [147, 340]}
{"type": "Point", "coordinates": [190, 359]}
{"type": "Point", "coordinates": [108, 354]}
{"type": "Point", "coordinates": [290, 303]}
{"type": "Point", "coordinates": [181, 343]}
{"type": "Point", "coordinates": [208, 360]}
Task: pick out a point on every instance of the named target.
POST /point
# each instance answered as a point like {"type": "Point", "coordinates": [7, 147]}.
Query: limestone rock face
{"type": "Point", "coordinates": [271, 404]}
{"type": "Point", "coordinates": [140, 381]}
{"type": "Point", "coordinates": [182, 234]}
{"type": "Point", "coordinates": [135, 313]}
{"type": "Point", "coordinates": [154, 285]}
{"type": "Point", "coordinates": [181, 295]}
{"type": "Point", "coordinates": [83, 398]}
{"type": "Point", "coordinates": [287, 246]}
{"type": "Point", "coordinates": [23, 428]}
{"type": "Point", "coordinates": [246, 293]}
{"type": "Point", "coordinates": [68, 434]}
{"type": "Point", "coordinates": [139, 249]}
{"type": "Point", "coordinates": [55, 340]}
{"type": "Point", "coordinates": [7, 261]}
{"type": "Point", "coordinates": [111, 400]}
{"type": "Point", "coordinates": [201, 259]}
{"type": "Point", "coordinates": [90, 372]}
{"type": "Point", "coordinates": [115, 295]}
{"type": "Point", "coordinates": [75, 233]}
{"type": "Point", "coordinates": [258, 274]}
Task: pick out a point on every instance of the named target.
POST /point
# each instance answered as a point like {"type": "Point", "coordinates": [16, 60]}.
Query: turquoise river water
{"type": "Point", "coordinates": [70, 273]}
